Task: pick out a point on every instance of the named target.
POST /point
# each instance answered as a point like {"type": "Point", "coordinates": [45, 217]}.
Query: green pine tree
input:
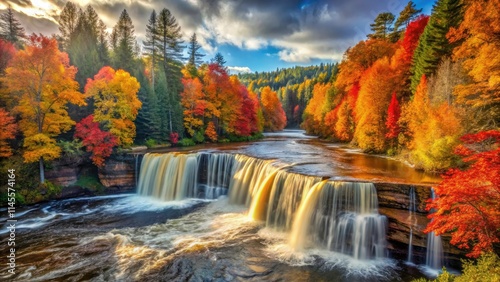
{"type": "Point", "coordinates": [433, 45]}
{"type": "Point", "coordinates": [408, 14]}
{"type": "Point", "coordinates": [68, 19]}
{"type": "Point", "coordinates": [11, 29]}
{"type": "Point", "coordinates": [382, 26]}
{"type": "Point", "coordinates": [123, 43]}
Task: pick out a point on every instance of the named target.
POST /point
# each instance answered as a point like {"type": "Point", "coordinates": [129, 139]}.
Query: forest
{"type": "Point", "coordinates": [424, 89]}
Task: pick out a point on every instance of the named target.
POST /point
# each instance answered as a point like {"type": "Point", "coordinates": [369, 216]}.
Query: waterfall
{"type": "Point", "coordinates": [342, 217]}
{"type": "Point", "coordinates": [168, 177]}
{"type": "Point", "coordinates": [412, 208]}
{"type": "Point", "coordinates": [434, 255]}
{"type": "Point", "coordinates": [338, 216]}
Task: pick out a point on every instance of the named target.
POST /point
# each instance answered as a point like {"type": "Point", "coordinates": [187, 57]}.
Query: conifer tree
{"type": "Point", "coordinates": [382, 26]}
{"type": "Point", "coordinates": [150, 44]}
{"type": "Point", "coordinates": [123, 43]}
{"type": "Point", "coordinates": [193, 52]}
{"type": "Point", "coordinates": [433, 45]}
{"type": "Point", "coordinates": [68, 20]}
{"type": "Point", "coordinates": [11, 29]}
{"type": "Point", "coordinates": [408, 14]}
{"type": "Point", "coordinates": [219, 59]}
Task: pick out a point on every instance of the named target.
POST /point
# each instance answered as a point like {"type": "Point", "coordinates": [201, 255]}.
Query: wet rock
{"type": "Point", "coordinates": [63, 172]}
{"type": "Point", "coordinates": [118, 173]}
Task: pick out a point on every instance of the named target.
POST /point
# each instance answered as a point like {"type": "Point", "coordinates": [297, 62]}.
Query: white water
{"type": "Point", "coordinates": [412, 208]}
{"type": "Point", "coordinates": [434, 255]}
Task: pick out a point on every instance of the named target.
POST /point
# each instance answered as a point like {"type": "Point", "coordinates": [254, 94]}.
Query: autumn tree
{"type": "Point", "coordinates": [46, 87]}
{"type": "Point", "coordinates": [479, 34]}
{"type": "Point", "coordinates": [97, 141]}
{"type": "Point", "coordinates": [274, 116]}
{"type": "Point", "coordinates": [467, 200]}
{"type": "Point", "coordinates": [9, 129]}
{"type": "Point", "coordinates": [193, 103]}
{"type": "Point", "coordinates": [434, 131]}
{"type": "Point", "coordinates": [116, 104]}
{"type": "Point", "coordinates": [373, 101]}
{"type": "Point", "coordinates": [393, 114]}
{"type": "Point", "coordinates": [11, 29]}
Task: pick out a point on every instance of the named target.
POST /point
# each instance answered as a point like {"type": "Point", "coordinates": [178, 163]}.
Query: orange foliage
{"type": "Point", "coordinates": [116, 103]}
{"type": "Point", "coordinates": [9, 129]}
{"type": "Point", "coordinates": [344, 127]}
{"type": "Point", "coordinates": [479, 53]}
{"type": "Point", "coordinates": [393, 114]}
{"type": "Point", "coordinates": [373, 100]}
{"type": "Point", "coordinates": [210, 132]}
{"type": "Point", "coordinates": [42, 76]}
{"type": "Point", "coordinates": [467, 200]}
{"type": "Point", "coordinates": [274, 116]}
{"type": "Point", "coordinates": [359, 58]}
{"type": "Point", "coordinates": [192, 100]}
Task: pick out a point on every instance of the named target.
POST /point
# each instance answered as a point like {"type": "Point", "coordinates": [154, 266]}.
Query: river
{"type": "Point", "coordinates": [231, 230]}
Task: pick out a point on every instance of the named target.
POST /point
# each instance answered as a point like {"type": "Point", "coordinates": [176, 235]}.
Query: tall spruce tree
{"type": "Point", "coordinates": [433, 45]}
{"type": "Point", "coordinates": [170, 49]}
{"type": "Point", "coordinates": [11, 29]}
{"type": "Point", "coordinates": [382, 26]}
{"type": "Point", "coordinates": [123, 43]}
{"type": "Point", "coordinates": [150, 44]}
{"type": "Point", "coordinates": [219, 59]}
{"type": "Point", "coordinates": [408, 14]}
{"type": "Point", "coordinates": [68, 19]}
{"type": "Point", "coordinates": [193, 52]}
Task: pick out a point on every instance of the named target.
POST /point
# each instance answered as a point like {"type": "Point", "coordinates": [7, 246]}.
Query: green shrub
{"type": "Point", "coordinates": [71, 149]}
{"type": "Point", "coordinates": [186, 142]}
{"type": "Point", "coordinates": [199, 137]}
{"type": "Point", "coordinates": [90, 182]}
{"type": "Point", "coordinates": [51, 189]}
{"type": "Point", "coordinates": [486, 268]}
{"type": "Point", "coordinates": [150, 143]}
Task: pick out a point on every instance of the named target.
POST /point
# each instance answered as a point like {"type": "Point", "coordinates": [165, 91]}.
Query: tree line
{"type": "Point", "coordinates": [86, 89]}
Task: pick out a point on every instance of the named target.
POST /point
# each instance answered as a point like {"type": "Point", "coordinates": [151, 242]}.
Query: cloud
{"type": "Point", "coordinates": [301, 30]}
{"type": "Point", "coordinates": [238, 70]}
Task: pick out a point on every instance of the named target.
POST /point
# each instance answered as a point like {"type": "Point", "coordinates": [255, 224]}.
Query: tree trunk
{"type": "Point", "coordinates": [42, 171]}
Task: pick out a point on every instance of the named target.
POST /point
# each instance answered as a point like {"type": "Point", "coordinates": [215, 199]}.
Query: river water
{"type": "Point", "coordinates": [133, 237]}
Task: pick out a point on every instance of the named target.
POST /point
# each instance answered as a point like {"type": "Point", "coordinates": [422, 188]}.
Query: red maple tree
{"type": "Point", "coordinates": [467, 200]}
{"type": "Point", "coordinates": [100, 143]}
{"type": "Point", "coordinates": [393, 114]}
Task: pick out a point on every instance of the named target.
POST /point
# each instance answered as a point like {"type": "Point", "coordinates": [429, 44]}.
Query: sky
{"type": "Point", "coordinates": [252, 35]}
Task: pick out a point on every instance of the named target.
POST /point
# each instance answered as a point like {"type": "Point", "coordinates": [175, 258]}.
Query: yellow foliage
{"type": "Point", "coordinates": [210, 132]}
{"type": "Point", "coordinates": [44, 82]}
{"type": "Point", "coordinates": [116, 103]}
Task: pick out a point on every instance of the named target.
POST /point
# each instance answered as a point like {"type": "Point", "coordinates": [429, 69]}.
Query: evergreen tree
{"type": "Point", "coordinates": [219, 59]}
{"type": "Point", "coordinates": [408, 14]}
{"type": "Point", "coordinates": [193, 52]}
{"type": "Point", "coordinates": [382, 26]}
{"type": "Point", "coordinates": [123, 43]}
{"type": "Point", "coordinates": [433, 45]}
{"type": "Point", "coordinates": [150, 44]}
{"type": "Point", "coordinates": [68, 19]}
{"type": "Point", "coordinates": [170, 49]}
{"type": "Point", "coordinates": [11, 29]}
{"type": "Point", "coordinates": [102, 43]}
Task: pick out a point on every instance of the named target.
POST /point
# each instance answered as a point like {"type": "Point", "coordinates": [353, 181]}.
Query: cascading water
{"type": "Point", "coordinates": [339, 216]}
{"type": "Point", "coordinates": [342, 217]}
{"type": "Point", "coordinates": [434, 256]}
{"type": "Point", "coordinates": [412, 208]}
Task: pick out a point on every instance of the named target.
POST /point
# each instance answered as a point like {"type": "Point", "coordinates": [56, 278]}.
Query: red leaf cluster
{"type": "Point", "coordinates": [100, 143]}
